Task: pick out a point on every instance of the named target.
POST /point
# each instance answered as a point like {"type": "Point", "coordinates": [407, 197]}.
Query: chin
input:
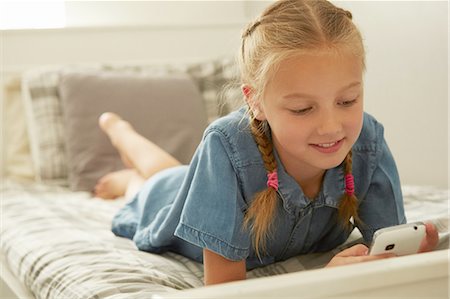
{"type": "Point", "coordinates": [331, 163]}
{"type": "Point", "coordinates": [330, 166]}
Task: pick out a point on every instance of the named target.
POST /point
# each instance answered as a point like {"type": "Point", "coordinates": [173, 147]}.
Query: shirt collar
{"type": "Point", "coordinates": [292, 194]}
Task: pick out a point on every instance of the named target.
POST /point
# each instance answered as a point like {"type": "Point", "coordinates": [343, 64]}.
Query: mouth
{"type": "Point", "coordinates": [329, 147]}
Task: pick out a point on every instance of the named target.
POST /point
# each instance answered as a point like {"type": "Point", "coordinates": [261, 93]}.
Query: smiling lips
{"type": "Point", "coordinates": [328, 148]}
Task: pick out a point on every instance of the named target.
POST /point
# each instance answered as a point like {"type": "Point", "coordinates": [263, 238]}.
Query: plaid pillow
{"type": "Point", "coordinates": [44, 109]}
{"type": "Point", "coordinates": [45, 125]}
{"type": "Point", "coordinates": [217, 81]}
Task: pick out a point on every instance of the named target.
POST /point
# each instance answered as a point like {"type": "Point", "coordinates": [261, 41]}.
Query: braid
{"type": "Point", "coordinates": [259, 215]}
{"type": "Point", "coordinates": [348, 165]}
{"type": "Point", "coordinates": [265, 146]}
{"type": "Point", "coordinates": [348, 206]}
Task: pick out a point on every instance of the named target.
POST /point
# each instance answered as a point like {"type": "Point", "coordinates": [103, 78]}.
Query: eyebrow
{"type": "Point", "coordinates": [308, 96]}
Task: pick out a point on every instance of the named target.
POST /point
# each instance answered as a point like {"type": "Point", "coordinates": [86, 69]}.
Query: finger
{"type": "Point", "coordinates": [355, 250]}
{"type": "Point", "coordinates": [432, 233]}
{"type": "Point", "coordinates": [431, 239]}
{"type": "Point", "coordinates": [346, 260]}
{"type": "Point", "coordinates": [430, 228]}
{"type": "Point", "coordinates": [368, 258]}
{"type": "Point", "coordinates": [383, 255]}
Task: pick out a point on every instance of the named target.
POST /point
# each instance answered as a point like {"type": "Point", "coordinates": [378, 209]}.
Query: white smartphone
{"type": "Point", "coordinates": [401, 239]}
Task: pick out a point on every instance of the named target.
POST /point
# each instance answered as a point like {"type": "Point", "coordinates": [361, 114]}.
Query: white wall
{"type": "Point", "coordinates": [406, 84]}
{"type": "Point", "coordinates": [129, 31]}
{"type": "Point", "coordinates": [132, 13]}
{"type": "Point", "coordinates": [26, 49]}
{"type": "Point", "coordinates": [407, 58]}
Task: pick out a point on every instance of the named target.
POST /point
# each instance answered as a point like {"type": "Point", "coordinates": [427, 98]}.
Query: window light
{"type": "Point", "coordinates": [32, 14]}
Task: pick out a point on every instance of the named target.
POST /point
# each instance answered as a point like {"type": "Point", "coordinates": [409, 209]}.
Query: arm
{"type": "Point", "coordinates": [382, 205]}
{"type": "Point", "coordinates": [213, 211]}
{"type": "Point", "coordinates": [219, 270]}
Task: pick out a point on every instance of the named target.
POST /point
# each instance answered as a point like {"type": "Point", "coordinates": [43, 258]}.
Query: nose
{"type": "Point", "coordinates": [329, 124]}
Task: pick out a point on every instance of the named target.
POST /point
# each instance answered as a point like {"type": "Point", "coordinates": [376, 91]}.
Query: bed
{"type": "Point", "coordinates": [57, 243]}
{"type": "Point", "coordinates": [56, 240]}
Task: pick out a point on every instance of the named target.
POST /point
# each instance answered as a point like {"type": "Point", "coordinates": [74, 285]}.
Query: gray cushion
{"type": "Point", "coordinates": [168, 110]}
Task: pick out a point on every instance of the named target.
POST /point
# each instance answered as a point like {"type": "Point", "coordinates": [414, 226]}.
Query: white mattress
{"type": "Point", "coordinates": [59, 245]}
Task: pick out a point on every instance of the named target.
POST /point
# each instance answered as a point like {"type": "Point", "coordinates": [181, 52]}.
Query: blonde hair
{"type": "Point", "coordinates": [285, 29]}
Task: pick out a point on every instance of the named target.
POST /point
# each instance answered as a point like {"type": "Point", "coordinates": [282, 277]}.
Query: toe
{"type": "Point", "coordinates": [107, 119]}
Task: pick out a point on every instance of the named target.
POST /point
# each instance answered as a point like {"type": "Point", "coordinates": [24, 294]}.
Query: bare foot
{"type": "Point", "coordinates": [113, 184]}
{"type": "Point", "coordinates": [114, 126]}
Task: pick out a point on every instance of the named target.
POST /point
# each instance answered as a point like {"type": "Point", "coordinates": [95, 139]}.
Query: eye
{"type": "Point", "coordinates": [348, 103]}
{"type": "Point", "coordinates": [301, 111]}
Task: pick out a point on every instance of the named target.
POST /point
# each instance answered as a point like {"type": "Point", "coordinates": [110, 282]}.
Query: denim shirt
{"type": "Point", "coordinates": [202, 205]}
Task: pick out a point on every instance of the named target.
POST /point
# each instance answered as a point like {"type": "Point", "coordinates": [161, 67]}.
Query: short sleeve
{"type": "Point", "coordinates": [383, 204]}
{"type": "Point", "coordinates": [213, 213]}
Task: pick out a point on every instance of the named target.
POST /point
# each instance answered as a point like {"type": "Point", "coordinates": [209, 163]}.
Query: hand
{"type": "Point", "coordinates": [431, 239]}
{"type": "Point", "coordinates": [355, 254]}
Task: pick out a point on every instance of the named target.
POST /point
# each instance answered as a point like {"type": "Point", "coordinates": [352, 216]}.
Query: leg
{"type": "Point", "coordinates": [136, 151]}
{"type": "Point", "coordinates": [125, 182]}
{"type": "Point", "coordinates": [134, 185]}
{"type": "Point", "coordinates": [114, 184]}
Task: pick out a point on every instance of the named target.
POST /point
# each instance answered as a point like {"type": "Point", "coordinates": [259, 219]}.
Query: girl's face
{"type": "Point", "coordinates": [314, 105]}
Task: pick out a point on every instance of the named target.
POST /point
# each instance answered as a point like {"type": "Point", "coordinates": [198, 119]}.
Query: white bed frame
{"type": "Point", "coordinates": [423, 275]}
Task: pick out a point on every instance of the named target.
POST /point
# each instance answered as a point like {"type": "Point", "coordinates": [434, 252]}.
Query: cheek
{"type": "Point", "coordinates": [291, 134]}
{"type": "Point", "coordinates": [354, 125]}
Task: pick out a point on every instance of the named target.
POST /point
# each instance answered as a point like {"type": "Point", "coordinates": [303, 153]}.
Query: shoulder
{"type": "Point", "coordinates": [234, 134]}
{"type": "Point", "coordinates": [371, 138]}
{"type": "Point", "coordinates": [370, 147]}
{"type": "Point", "coordinates": [373, 162]}
{"type": "Point", "coordinates": [230, 124]}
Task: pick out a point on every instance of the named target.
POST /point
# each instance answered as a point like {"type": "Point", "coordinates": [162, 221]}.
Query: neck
{"type": "Point", "coordinates": [309, 181]}
{"type": "Point", "coordinates": [308, 177]}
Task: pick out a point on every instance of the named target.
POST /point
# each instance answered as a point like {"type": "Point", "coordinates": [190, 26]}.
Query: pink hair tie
{"type": "Point", "coordinates": [349, 184]}
{"type": "Point", "coordinates": [272, 180]}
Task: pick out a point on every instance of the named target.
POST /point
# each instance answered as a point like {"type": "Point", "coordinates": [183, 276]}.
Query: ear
{"type": "Point", "coordinates": [254, 105]}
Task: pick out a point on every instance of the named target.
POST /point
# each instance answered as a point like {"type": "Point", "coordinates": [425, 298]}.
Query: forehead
{"type": "Point", "coordinates": [316, 71]}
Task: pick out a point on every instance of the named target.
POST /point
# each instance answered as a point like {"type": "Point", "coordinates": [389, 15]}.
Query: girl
{"type": "Point", "coordinates": [291, 173]}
